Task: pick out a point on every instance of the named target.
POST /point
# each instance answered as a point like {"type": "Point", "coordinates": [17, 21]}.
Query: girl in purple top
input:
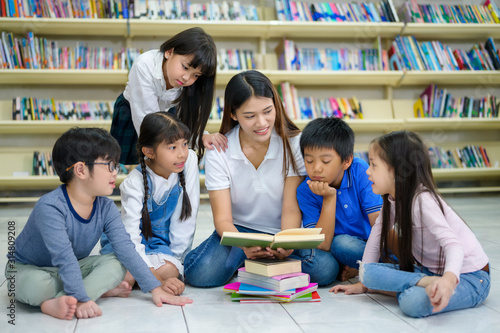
{"type": "Point", "coordinates": [440, 264]}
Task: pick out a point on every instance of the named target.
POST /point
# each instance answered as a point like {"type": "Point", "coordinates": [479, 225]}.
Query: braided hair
{"type": "Point", "coordinates": [156, 128]}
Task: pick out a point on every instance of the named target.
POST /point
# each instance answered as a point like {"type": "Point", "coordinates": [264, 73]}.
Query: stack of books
{"type": "Point", "coordinates": [270, 281]}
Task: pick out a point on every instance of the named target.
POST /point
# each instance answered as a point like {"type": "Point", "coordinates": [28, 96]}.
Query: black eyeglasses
{"type": "Point", "coordinates": [112, 166]}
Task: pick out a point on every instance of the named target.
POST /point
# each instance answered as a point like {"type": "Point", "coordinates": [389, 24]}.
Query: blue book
{"type": "Point", "coordinates": [254, 290]}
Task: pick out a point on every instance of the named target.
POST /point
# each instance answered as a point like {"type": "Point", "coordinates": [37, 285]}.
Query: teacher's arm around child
{"type": "Point", "coordinates": [160, 199]}
{"type": "Point", "coordinates": [179, 78]}
{"type": "Point", "coordinates": [246, 182]}
{"type": "Point", "coordinates": [441, 265]}
{"type": "Point", "coordinates": [53, 268]}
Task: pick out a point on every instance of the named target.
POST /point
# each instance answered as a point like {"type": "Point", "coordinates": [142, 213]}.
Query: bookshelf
{"type": "Point", "coordinates": [383, 114]}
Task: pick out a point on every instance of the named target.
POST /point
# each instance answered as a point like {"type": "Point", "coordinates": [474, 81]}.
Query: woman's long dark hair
{"type": "Point", "coordinates": [249, 84]}
{"type": "Point", "coordinates": [195, 102]}
{"type": "Point", "coordinates": [408, 156]}
{"type": "Point", "coordinates": [157, 128]}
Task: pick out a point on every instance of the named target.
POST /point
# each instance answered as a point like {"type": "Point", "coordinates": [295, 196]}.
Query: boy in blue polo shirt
{"type": "Point", "coordinates": [337, 195]}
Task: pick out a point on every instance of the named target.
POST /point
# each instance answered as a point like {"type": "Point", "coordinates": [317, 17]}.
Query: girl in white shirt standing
{"type": "Point", "coordinates": [160, 199]}
{"type": "Point", "coordinates": [179, 78]}
{"type": "Point", "coordinates": [440, 264]}
{"type": "Point", "coordinates": [252, 185]}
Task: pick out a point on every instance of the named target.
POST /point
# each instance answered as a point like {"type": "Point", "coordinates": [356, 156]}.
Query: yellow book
{"type": "Point", "coordinates": [295, 238]}
{"type": "Point", "coordinates": [356, 107]}
{"type": "Point", "coordinates": [418, 109]}
{"type": "Point", "coordinates": [342, 107]}
{"type": "Point", "coordinates": [273, 267]}
{"type": "Point", "coordinates": [32, 107]}
{"type": "Point", "coordinates": [492, 11]}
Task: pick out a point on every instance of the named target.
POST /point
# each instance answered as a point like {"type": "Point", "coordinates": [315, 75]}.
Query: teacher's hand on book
{"type": "Point", "coordinates": [279, 253]}
{"type": "Point", "coordinates": [255, 252]}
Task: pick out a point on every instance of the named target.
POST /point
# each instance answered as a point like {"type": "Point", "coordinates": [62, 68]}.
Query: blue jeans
{"type": "Point", "coordinates": [472, 290]}
{"type": "Point", "coordinates": [348, 249]}
{"type": "Point", "coordinates": [320, 265]}
{"type": "Point", "coordinates": [212, 264]}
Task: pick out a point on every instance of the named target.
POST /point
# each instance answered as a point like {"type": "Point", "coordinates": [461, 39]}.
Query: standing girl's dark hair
{"type": "Point", "coordinates": [157, 128]}
{"type": "Point", "coordinates": [249, 84]}
{"type": "Point", "coordinates": [195, 102]}
{"type": "Point", "coordinates": [408, 156]}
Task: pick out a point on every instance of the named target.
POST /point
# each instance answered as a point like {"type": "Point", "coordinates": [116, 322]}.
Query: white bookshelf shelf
{"type": "Point", "coordinates": [63, 76]}
{"type": "Point", "coordinates": [437, 31]}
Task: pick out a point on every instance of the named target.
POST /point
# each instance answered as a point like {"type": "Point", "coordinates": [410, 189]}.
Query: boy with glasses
{"type": "Point", "coordinates": [51, 262]}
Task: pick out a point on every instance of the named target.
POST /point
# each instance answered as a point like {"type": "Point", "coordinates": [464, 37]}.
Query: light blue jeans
{"type": "Point", "coordinates": [472, 290]}
{"type": "Point", "coordinates": [212, 264]}
{"type": "Point", "coordinates": [348, 249]}
{"type": "Point", "coordinates": [320, 265]}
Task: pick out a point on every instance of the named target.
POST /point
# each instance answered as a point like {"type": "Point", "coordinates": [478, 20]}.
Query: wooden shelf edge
{"type": "Point", "coordinates": [63, 76]}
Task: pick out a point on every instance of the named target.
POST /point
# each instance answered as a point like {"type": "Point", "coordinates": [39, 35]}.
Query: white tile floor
{"type": "Point", "coordinates": [213, 312]}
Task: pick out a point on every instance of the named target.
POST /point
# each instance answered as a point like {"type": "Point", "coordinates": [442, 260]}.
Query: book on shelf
{"type": "Point", "coordinates": [295, 238]}
{"type": "Point", "coordinates": [185, 10]}
{"type": "Point", "coordinates": [382, 11]}
{"type": "Point", "coordinates": [42, 164]}
{"type": "Point", "coordinates": [310, 108]}
{"type": "Point", "coordinates": [33, 108]}
{"type": "Point", "coordinates": [235, 59]}
{"type": "Point", "coordinates": [406, 52]}
{"type": "Point", "coordinates": [40, 53]}
{"type": "Point", "coordinates": [292, 57]}
{"type": "Point", "coordinates": [435, 102]}
{"type": "Point", "coordinates": [235, 288]}
{"type": "Point", "coordinates": [469, 156]}
{"type": "Point", "coordinates": [278, 282]}
{"type": "Point", "coordinates": [450, 13]}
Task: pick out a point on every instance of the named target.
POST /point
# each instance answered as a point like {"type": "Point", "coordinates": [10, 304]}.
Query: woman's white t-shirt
{"type": "Point", "coordinates": [256, 194]}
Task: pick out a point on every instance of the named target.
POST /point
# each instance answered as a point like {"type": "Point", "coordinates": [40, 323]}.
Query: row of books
{"type": "Point", "coordinates": [185, 10]}
{"type": "Point", "coordinates": [470, 156]}
{"type": "Point", "coordinates": [290, 57]}
{"type": "Point", "coordinates": [269, 281]}
{"type": "Point", "coordinates": [32, 108]}
{"type": "Point", "coordinates": [444, 13]}
{"type": "Point", "coordinates": [65, 8]}
{"type": "Point", "coordinates": [407, 53]}
{"type": "Point", "coordinates": [42, 164]}
{"type": "Point", "coordinates": [435, 102]}
{"type": "Point", "coordinates": [151, 9]}
{"type": "Point", "coordinates": [310, 108]}
{"type": "Point", "coordinates": [235, 59]}
{"type": "Point", "coordinates": [384, 11]}
{"type": "Point", "coordinates": [40, 53]}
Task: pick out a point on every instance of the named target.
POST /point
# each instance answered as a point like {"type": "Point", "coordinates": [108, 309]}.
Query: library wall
{"type": "Point", "coordinates": [362, 36]}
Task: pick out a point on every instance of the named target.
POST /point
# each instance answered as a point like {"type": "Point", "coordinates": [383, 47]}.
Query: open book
{"type": "Point", "coordinates": [296, 238]}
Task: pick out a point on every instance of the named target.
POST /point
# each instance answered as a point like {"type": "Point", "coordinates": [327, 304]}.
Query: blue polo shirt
{"type": "Point", "coordinates": [355, 200]}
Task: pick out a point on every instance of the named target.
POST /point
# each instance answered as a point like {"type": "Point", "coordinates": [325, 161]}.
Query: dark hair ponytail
{"type": "Point", "coordinates": [147, 231]}
{"type": "Point", "coordinates": [186, 204]}
{"type": "Point", "coordinates": [156, 128]}
{"type": "Point", "coordinates": [195, 101]}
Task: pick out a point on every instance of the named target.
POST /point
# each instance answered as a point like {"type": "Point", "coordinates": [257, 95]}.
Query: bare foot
{"type": "Point", "coordinates": [63, 307]}
{"type": "Point", "coordinates": [121, 290]}
{"type": "Point", "coordinates": [426, 281]}
{"type": "Point", "coordinates": [87, 309]}
{"type": "Point", "coordinates": [348, 273]}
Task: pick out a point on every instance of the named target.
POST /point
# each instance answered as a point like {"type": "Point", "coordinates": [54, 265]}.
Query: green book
{"type": "Point", "coordinates": [296, 238]}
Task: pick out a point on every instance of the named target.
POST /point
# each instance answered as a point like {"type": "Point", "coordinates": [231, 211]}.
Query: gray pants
{"type": "Point", "coordinates": [35, 285]}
